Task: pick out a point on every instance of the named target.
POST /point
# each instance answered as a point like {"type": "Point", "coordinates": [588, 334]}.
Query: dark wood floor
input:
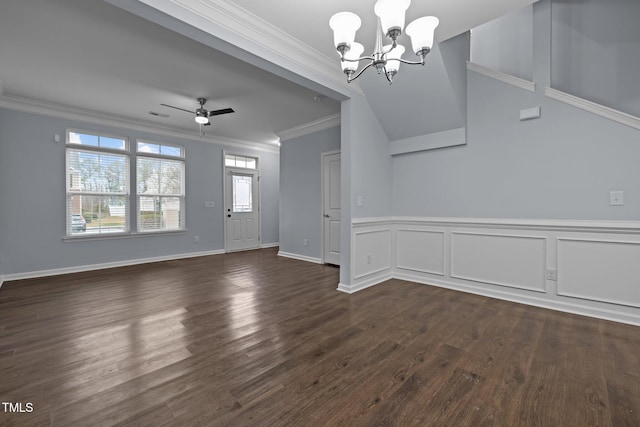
{"type": "Point", "coordinates": [252, 339]}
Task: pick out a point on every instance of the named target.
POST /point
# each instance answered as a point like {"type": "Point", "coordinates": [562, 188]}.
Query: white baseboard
{"type": "Point", "coordinates": [102, 266]}
{"type": "Point", "coordinates": [269, 245]}
{"type": "Point", "coordinates": [566, 307]}
{"type": "Point", "coordinates": [365, 283]}
{"type": "Point", "coordinates": [300, 257]}
{"type": "Point", "coordinates": [554, 264]}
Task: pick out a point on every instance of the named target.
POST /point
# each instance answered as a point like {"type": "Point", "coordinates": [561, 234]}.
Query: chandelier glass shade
{"type": "Point", "coordinates": [385, 59]}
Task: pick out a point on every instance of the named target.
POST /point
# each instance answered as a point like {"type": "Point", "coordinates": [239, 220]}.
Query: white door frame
{"type": "Point", "coordinates": [322, 227]}
{"type": "Point", "coordinates": [225, 169]}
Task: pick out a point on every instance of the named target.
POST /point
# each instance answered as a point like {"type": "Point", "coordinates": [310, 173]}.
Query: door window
{"type": "Point", "coordinates": [242, 193]}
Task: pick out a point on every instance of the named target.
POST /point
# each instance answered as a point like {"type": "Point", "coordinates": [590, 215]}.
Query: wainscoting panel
{"type": "Point", "coordinates": [420, 250]}
{"type": "Point", "coordinates": [372, 250]}
{"type": "Point", "coordinates": [600, 270]}
{"type": "Point", "coordinates": [584, 267]}
{"type": "Point", "coordinates": [497, 259]}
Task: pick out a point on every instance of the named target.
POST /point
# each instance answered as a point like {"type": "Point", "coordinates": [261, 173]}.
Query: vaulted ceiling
{"type": "Point", "coordinates": [96, 57]}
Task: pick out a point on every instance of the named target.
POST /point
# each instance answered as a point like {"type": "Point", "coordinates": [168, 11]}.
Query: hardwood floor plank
{"type": "Point", "coordinates": [256, 339]}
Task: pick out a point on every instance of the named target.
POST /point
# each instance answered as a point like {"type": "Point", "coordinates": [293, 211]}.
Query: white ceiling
{"type": "Point", "coordinates": [308, 21]}
{"type": "Point", "coordinates": [93, 56]}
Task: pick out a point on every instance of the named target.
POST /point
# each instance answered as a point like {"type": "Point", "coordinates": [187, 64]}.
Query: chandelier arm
{"type": "Point", "coordinates": [349, 80]}
{"type": "Point", "coordinates": [386, 74]}
{"type": "Point", "coordinates": [404, 61]}
{"type": "Point", "coordinates": [362, 58]}
{"type": "Point", "coordinates": [393, 46]}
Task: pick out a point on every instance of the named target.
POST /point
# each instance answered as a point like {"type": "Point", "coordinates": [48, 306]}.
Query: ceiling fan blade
{"type": "Point", "coordinates": [222, 111]}
{"type": "Point", "coordinates": [178, 108]}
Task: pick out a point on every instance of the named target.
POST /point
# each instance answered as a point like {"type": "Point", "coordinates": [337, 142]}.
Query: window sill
{"type": "Point", "coordinates": [113, 236]}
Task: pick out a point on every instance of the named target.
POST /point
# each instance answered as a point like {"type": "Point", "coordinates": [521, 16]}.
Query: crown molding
{"type": "Point", "coordinates": [310, 127]}
{"type": "Point", "coordinates": [503, 77]}
{"type": "Point", "coordinates": [27, 105]}
{"type": "Point", "coordinates": [593, 107]}
{"type": "Point", "coordinates": [250, 27]}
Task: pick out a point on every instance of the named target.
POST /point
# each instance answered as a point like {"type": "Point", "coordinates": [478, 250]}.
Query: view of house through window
{"type": "Point", "coordinates": [97, 187]}
{"type": "Point", "coordinates": [160, 171]}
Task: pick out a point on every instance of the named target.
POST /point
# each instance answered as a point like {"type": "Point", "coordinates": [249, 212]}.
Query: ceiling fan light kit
{"type": "Point", "coordinates": [201, 116]}
{"type": "Point", "coordinates": [385, 59]}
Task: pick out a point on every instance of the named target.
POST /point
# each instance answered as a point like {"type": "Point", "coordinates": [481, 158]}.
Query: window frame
{"type": "Point", "coordinates": [181, 158]}
{"type": "Point", "coordinates": [227, 156]}
{"type": "Point", "coordinates": [69, 178]}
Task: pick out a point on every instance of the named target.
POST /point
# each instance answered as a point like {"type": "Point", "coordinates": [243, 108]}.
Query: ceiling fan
{"type": "Point", "coordinates": [202, 115]}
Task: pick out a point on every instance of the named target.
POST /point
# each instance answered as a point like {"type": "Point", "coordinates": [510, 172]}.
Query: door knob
{"type": "Point", "coordinates": [327, 216]}
{"type": "Point", "coordinates": [229, 216]}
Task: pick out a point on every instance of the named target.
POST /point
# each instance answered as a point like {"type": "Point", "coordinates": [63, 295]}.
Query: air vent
{"type": "Point", "coordinates": [153, 113]}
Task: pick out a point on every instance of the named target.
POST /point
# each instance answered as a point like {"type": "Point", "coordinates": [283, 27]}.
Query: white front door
{"type": "Point", "coordinates": [242, 221]}
{"type": "Point", "coordinates": [331, 207]}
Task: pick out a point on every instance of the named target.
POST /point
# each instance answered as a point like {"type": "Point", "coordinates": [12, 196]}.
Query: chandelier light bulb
{"type": "Point", "coordinates": [344, 26]}
{"type": "Point", "coordinates": [421, 32]}
{"type": "Point", "coordinates": [393, 58]}
{"type": "Point", "coordinates": [350, 63]}
{"type": "Point", "coordinates": [391, 14]}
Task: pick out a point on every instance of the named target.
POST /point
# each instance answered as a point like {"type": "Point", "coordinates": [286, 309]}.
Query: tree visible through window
{"type": "Point", "coordinates": [160, 181]}
{"type": "Point", "coordinates": [97, 184]}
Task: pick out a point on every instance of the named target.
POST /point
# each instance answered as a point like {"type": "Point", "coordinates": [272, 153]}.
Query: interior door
{"type": "Point", "coordinates": [242, 210]}
{"type": "Point", "coordinates": [331, 207]}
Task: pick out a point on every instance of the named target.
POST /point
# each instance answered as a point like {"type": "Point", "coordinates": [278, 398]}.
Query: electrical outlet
{"type": "Point", "coordinates": [616, 198]}
{"type": "Point", "coordinates": [552, 274]}
{"type": "Point", "coordinates": [196, 239]}
{"type": "Point", "coordinates": [368, 259]}
{"type": "Point", "coordinates": [306, 242]}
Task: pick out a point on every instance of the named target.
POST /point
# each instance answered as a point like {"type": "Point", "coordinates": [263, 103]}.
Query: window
{"type": "Point", "coordinates": [242, 193]}
{"type": "Point", "coordinates": [231, 160]}
{"type": "Point", "coordinates": [97, 188]}
{"type": "Point", "coordinates": [160, 171]}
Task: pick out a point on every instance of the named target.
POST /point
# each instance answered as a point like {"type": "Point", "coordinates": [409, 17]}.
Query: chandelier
{"type": "Point", "coordinates": [385, 58]}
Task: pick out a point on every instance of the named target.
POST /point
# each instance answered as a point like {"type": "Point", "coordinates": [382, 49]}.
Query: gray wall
{"type": "Point", "coordinates": [404, 109]}
{"type": "Point", "coordinates": [506, 44]}
{"type": "Point", "coordinates": [366, 172]}
{"type": "Point", "coordinates": [560, 166]}
{"type": "Point", "coordinates": [370, 163]}
{"type": "Point", "coordinates": [596, 51]}
{"type": "Point", "coordinates": [32, 198]}
{"type": "Point", "coordinates": [301, 191]}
